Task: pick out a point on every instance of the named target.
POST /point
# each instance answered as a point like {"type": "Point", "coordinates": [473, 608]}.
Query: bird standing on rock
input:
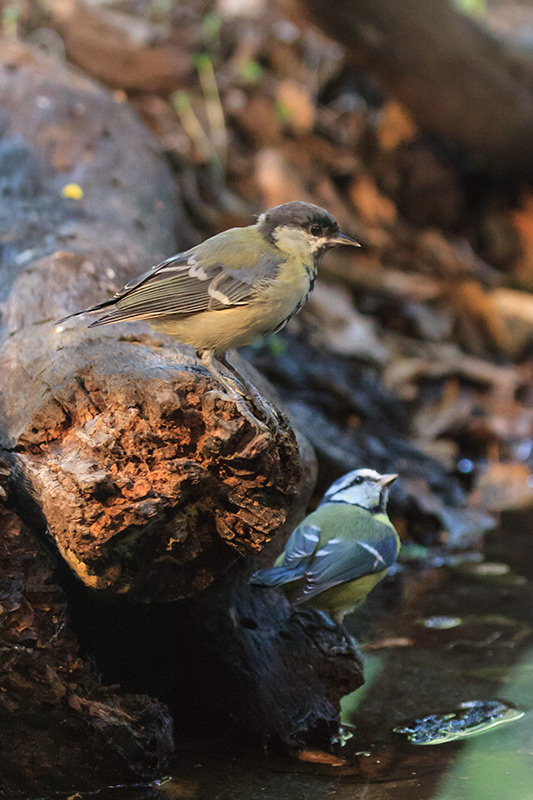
{"type": "Point", "coordinates": [336, 556]}
{"type": "Point", "coordinates": [231, 289]}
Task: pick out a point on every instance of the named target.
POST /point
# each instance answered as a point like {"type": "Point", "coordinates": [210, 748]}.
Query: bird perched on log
{"type": "Point", "coordinates": [336, 556]}
{"type": "Point", "coordinates": [231, 289]}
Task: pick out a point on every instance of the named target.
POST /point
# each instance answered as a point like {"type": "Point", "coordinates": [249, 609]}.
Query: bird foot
{"type": "Point", "coordinates": [315, 619]}
{"type": "Point", "coordinates": [347, 638]}
{"type": "Point", "coordinates": [248, 391]}
{"type": "Point", "coordinates": [258, 425]}
{"type": "Point", "coordinates": [269, 412]}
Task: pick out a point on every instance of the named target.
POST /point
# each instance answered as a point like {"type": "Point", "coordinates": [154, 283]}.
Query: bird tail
{"type": "Point", "coordinates": [97, 307]}
{"type": "Point", "coordinates": [277, 576]}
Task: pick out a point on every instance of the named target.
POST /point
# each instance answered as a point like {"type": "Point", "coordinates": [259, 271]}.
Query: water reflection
{"type": "Point", "coordinates": [412, 669]}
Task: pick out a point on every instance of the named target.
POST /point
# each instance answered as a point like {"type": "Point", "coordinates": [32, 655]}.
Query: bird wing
{"type": "Point", "coordinates": [198, 279]}
{"type": "Point", "coordinates": [372, 549]}
{"type": "Point", "coordinates": [302, 544]}
{"type": "Point", "coordinates": [299, 550]}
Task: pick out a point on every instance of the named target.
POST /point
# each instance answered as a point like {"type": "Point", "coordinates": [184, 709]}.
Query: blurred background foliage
{"type": "Point", "coordinates": [414, 353]}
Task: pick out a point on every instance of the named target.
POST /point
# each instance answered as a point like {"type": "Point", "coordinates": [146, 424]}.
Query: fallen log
{"type": "Point", "coordinates": [451, 74]}
{"type": "Point", "coordinates": [286, 670]}
{"type": "Point", "coordinates": [52, 704]}
{"type": "Point", "coordinates": [149, 483]}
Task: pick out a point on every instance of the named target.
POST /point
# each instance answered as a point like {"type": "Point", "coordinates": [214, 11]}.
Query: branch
{"type": "Point", "coordinates": [456, 79]}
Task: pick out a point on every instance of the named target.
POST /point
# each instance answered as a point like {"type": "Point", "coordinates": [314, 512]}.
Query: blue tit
{"type": "Point", "coordinates": [336, 556]}
{"type": "Point", "coordinates": [231, 289]}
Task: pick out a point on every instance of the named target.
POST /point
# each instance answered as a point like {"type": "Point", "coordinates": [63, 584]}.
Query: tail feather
{"type": "Point", "coordinates": [277, 576]}
{"type": "Point", "coordinates": [90, 310]}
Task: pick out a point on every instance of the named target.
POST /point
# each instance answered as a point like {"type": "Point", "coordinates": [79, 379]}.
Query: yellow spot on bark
{"type": "Point", "coordinates": [73, 191]}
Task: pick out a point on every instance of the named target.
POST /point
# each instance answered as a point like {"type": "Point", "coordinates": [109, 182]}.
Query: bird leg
{"type": "Point", "coordinates": [269, 410]}
{"type": "Point", "coordinates": [233, 392]}
{"type": "Point", "coordinates": [317, 618]}
{"type": "Point", "coordinates": [349, 639]}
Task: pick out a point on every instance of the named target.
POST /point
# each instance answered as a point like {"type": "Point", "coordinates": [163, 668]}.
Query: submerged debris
{"type": "Point", "coordinates": [471, 718]}
{"type": "Point", "coordinates": [441, 623]}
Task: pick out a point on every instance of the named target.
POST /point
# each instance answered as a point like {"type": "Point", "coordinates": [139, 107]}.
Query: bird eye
{"type": "Point", "coordinates": [316, 230]}
{"type": "Point", "coordinates": [358, 480]}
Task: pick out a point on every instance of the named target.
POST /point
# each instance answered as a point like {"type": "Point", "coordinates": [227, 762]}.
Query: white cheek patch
{"type": "Point", "coordinates": [355, 495]}
{"type": "Point", "coordinates": [323, 241]}
{"type": "Point", "coordinates": [350, 495]}
{"type": "Point", "coordinates": [294, 240]}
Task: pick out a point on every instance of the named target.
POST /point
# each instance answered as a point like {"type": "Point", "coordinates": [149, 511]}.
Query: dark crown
{"type": "Point", "coordinates": [297, 215]}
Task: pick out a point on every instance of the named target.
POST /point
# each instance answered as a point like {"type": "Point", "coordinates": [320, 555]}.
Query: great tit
{"type": "Point", "coordinates": [336, 556]}
{"type": "Point", "coordinates": [231, 289]}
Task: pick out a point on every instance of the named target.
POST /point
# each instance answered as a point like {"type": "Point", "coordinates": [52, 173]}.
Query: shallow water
{"type": "Point", "coordinates": [434, 636]}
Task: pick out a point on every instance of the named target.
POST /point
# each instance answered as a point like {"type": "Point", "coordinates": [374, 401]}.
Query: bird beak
{"type": "Point", "coordinates": [341, 238]}
{"type": "Point", "coordinates": [386, 480]}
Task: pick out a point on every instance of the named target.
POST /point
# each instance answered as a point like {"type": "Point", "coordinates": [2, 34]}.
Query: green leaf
{"type": "Point", "coordinates": [472, 8]}
{"type": "Point", "coordinates": [250, 70]}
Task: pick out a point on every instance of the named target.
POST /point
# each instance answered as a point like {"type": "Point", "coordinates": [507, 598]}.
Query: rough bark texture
{"type": "Point", "coordinates": [53, 709]}
{"type": "Point", "coordinates": [286, 670]}
{"type": "Point", "coordinates": [457, 80]}
{"type": "Point", "coordinates": [233, 656]}
{"type": "Point", "coordinates": [148, 481]}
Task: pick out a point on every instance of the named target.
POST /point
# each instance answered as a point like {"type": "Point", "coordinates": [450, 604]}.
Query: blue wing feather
{"type": "Point", "coordinates": [302, 544]}
{"type": "Point", "coordinates": [345, 560]}
{"type": "Point", "coordinates": [300, 547]}
{"type": "Point", "coordinates": [276, 576]}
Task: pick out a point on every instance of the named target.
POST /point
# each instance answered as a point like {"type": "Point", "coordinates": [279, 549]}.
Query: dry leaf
{"type": "Point", "coordinates": [396, 126]}
{"type": "Point", "coordinates": [318, 757]}
{"type": "Point", "coordinates": [506, 486]}
{"type": "Point", "coordinates": [296, 101]}
{"type": "Point", "coordinates": [258, 118]}
{"type": "Point", "coordinates": [277, 180]}
{"type": "Point", "coordinates": [387, 644]}
{"type": "Point", "coordinates": [373, 206]}
{"type": "Point", "coordinates": [523, 221]}
{"type": "Point", "coordinates": [337, 325]}
{"type": "Point", "coordinates": [480, 326]}
{"type": "Point", "coordinates": [449, 413]}
{"type": "Point", "coordinates": [121, 50]}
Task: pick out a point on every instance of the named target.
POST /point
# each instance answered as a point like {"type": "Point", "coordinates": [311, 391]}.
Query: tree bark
{"type": "Point", "coordinates": [149, 482]}
{"type": "Point", "coordinates": [456, 79]}
{"type": "Point", "coordinates": [52, 705]}
{"type": "Point", "coordinates": [286, 670]}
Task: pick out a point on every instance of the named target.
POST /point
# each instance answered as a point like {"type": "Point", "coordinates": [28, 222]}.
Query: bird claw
{"type": "Point", "coordinates": [241, 392]}
{"type": "Point", "coordinates": [316, 619]}
{"type": "Point", "coordinates": [271, 416]}
{"type": "Point", "coordinates": [258, 425]}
